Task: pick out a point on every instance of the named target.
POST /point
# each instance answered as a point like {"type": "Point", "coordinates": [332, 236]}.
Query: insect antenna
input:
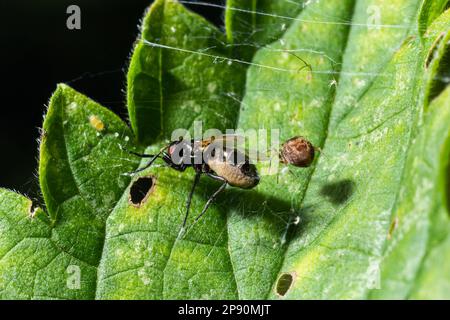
{"type": "Point", "coordinates": [140, 155]}
{"type": "Point", "coordinates": [150, 163]}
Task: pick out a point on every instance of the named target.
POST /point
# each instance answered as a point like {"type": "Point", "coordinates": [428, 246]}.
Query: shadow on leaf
{"type": "Point", "coordinates": [338, 192]}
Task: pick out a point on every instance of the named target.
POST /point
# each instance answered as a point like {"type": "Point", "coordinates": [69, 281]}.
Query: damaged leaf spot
{"type": "Point", "coordinates": [284, 283]}
{"type": "Point", "coordinates": [392, 228]}
{"type": "Point", "coordinates": [96, 123]}
{"type": "Point", "coordinates": [141, 190]}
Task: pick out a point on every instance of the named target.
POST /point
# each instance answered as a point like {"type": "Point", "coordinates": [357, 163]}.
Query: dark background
{"type": "Point", "coordinates": [38, 51]}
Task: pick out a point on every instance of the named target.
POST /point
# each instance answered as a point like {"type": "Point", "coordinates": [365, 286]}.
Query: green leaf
{"type": "Point", "coordinates": [299, 104]}
{"type": "Point", "coordinates": [422, 215]}
{"type": "Point", "coordinates": [346, 228]}
{"type": "Point", "coordinates": [251, 25]}
{"type": "Point", "coordinates": [171, 89]}
{"type": "Point", "coordinates": [81, 170]}
{"type": "Point", "coordinates": [430, 10]}
{"type": "Point", "coordinates": [369, 218]}
{"type": "Point", "coordinates": [81, 174]}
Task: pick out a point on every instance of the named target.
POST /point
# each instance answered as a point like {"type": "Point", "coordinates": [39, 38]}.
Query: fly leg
{"type": "Point", "coordinates": [214, 196]}
{"type": "Point", "coordinates": [189, 200]}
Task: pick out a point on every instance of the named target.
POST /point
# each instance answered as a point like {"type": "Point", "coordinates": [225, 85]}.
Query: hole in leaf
{"type": "Point", "coordinates": [141, 190]}
{"type": "Point", "coordinates": [284, 283]}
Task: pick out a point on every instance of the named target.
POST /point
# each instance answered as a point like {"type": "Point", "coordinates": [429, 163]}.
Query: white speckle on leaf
{"type": "Point", "coordinates": [119, 253]}
{"type": "Point", "coordinates": [192, 105]}
{"type": "Point", "coordinates": [373, 274]}
{"type": "Point", "coordinates": [212, 86]}
{"type": "Point", "coordinates": [108, 198]}
{"type": "Point", "coordinates": [120, 182]}
{"type": "Point", "coordinates": [144, 277]}
{"type": "Point", "coordinates": [359, 82]}
{"type": "Point", "coordinates": [139, 245]}
{"type": "Point", "coordinates": [73, 106]}
{"type": "Point", "coordinates": [148, 263]}
{"type": "Point", "coordinates": [315, 103]}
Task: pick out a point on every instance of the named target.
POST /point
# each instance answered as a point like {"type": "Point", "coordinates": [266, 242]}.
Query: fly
{"type": "Point", "coordinates": [210, 157]}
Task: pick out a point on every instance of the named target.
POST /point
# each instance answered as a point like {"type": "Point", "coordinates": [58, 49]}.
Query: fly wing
{"type": "Point", "coordinates": [231, 140]}
{"type": "Point", "coordinates": [228, 142]}
{"type": "Point", "coordinates": [242, 144]}
{"type": "Point", "coordinates": [217, 148]}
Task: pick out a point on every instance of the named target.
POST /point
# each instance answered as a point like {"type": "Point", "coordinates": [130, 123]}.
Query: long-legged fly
{"type": "Point", "coordinates": [211, 157]}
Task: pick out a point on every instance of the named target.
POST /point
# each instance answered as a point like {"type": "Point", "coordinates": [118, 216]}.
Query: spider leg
{"type": "Point", "coordinates": [306, 64]}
